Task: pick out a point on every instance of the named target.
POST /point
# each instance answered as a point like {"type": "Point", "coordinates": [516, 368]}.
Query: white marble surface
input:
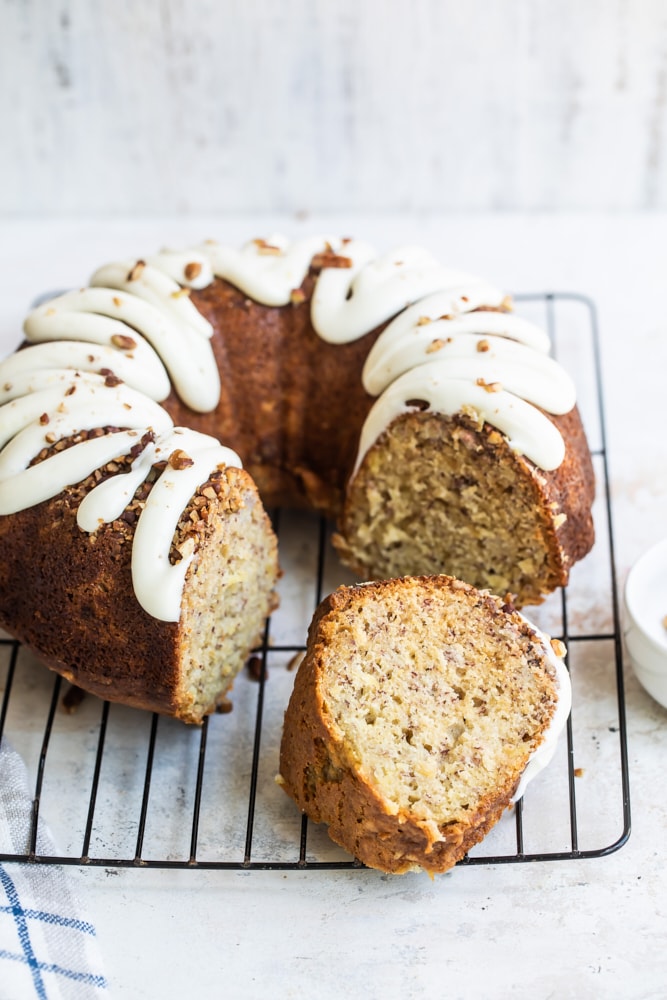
{"type": "Point", "coordinates": [244, 105]}
{"type": "Point", "coordinates": [580, 929]}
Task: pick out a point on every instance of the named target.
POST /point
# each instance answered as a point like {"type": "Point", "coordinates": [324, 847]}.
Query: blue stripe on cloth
{"type": "Point", "coordinates": [23, 933]}
{"type": "Point", "coordinates": [81, 977]}
{"type": "Point", "coordinates": [54, 918]}
{"type": "Point", "coordinates": [28, 956]}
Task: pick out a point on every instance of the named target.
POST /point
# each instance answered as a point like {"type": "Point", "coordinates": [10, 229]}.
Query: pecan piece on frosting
{"type": "Point", "coordinates": [124, 342]}
{"type": "Point", "coordinates": [192, 270]}
{"type": "Point", "coordinates": [329, 259]}
{"type": "Point", "coordinates": [180, 459]}
{"type": "Point", "coordinates": [266, 248]}
{"type": "Point", "coordinates": [489, 386]}
{"type": "Point", "coordinates": [136, 270]}
{"type": "Point", "coordinates": [110, 378]}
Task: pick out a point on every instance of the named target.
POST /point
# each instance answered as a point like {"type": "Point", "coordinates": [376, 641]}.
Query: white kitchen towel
{"type": "Point", "coordinates": [48, 948]}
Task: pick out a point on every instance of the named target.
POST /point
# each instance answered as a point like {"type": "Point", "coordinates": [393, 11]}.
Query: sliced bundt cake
{"type": "Point", "coordinates": [404, 399]}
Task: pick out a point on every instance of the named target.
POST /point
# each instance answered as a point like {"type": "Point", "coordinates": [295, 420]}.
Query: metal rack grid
{"type": "Point", "coordinates": [184, 798]}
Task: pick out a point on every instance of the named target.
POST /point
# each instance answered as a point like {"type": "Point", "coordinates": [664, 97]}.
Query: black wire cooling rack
{"type": "Point", "coordinates": [116, 787]}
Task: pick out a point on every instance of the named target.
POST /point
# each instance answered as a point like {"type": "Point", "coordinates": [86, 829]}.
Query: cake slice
{"type": "Point", "coordinates": [449, 494]}
{"type": "Point", "coordinates": [415, 714]}
{"type": "Point", "coordinates": [157, 606]}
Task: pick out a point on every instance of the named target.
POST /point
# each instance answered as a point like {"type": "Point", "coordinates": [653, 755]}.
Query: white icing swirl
{"type": "Point", "coordinates": [535, 376]}
{"type": "Point", "coordinates": [349, 302]}
{"type": "Point", "coordinates": [158, 584]}
{"type": "Point", "coordinates": [440, 318]}
{"type": "Point", "coordinates": [445, 321]}
{"type": "Point", "coordinates": [177, 330]}
{"type": "Point", "coordinates": [79, 402]}
{"type": "Point", "coordinates": [33, 367]}
{"type": "Point", "coordinates": [529, 432]}
{"type": "Point", "coordinates": [69, 402]}
{"type": "Point", "coordinates": [188, 268]}
{"type": "Point", "coordinates": [102, 316]}
{"type": "Point", "coordinates": [148, 283]}
{"type": "Point", "coordinates": [267, 270]}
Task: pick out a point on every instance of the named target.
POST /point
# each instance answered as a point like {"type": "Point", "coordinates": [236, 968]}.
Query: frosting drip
{"type": "Point", "coordinates": [528, 431]}
{"type": "Point", "coordinates": [131, 323]}
{"type": "Point", "coordinates": [268, 271]}
{"type": "Point", "coordinates": [105, 356]}
{"type": "Point", "coordinates": [451, 334]}
{"type": "Point", "coordinates": [349, 302]}
{"type": "Point", "coordinates": [547, 748]}
{"type": "Point", "coordinates": [159, 584]}
{"type": "Point", "coordinates": [67, 403]}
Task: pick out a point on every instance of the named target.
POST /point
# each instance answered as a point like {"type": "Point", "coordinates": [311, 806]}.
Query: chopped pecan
{"type": "Point", "coordinates": [263, 247]}
{"type": "Point", "coordinates": [110, 378]}
{"type": "Point", "coordinates": [136, 270]}
{"type": "Point", "coordinates": [180, 460]}
{"type": "Point", "coordinates": [489, 386]}
{"type": "Point", "coordinates": [559, 648]}
{"type": "Point", "coordinates": [124, 342]}
{"type": "Point", "coordinates": [329, 259]}
{"type": "Point", "coordinates": [192, 270]}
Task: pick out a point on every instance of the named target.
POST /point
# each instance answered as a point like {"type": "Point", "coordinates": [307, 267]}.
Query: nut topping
{"type": "Point", "coordinates": [489, 386]}
{"type": "Point", "coordinates": [329, 259]}
{"type": "Point", "coordinates": [192, 270]}
{"type": "Point", "coordinates": [180, 459]}
{"type": "Point", "coordinates": [136, 270]}
{"type": "Point", "coordinates": [268, 249]}
{"type": "Point", "coordinates": [559, 648]}
{"type": "Point", "coordinates": [110, 378]}
{"type": "Point", "coordinates": [124, 342]}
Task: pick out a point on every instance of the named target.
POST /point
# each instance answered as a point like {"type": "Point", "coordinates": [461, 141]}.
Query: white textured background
{"type": "Point", "coordinates": [120, 106]}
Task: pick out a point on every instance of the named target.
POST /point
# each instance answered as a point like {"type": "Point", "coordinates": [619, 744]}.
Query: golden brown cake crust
{"type": "Point", "coordinates": [331, 783]}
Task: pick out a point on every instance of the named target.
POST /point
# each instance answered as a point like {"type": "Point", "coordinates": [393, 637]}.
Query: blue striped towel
{"type": "Point", "coordinates": [47, 947]}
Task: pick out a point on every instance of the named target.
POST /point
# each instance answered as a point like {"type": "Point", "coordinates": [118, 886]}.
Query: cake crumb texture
{"type": "Point", "coordinates": [413, 716]}
{"type": "Point", "coordinates": [440, 494]}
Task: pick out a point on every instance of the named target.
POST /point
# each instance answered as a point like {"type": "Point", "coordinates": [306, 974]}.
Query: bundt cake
{"type": "Point", "coordinates": [403, 399]}
{"type": "Point", "coordinates": [421, 709]}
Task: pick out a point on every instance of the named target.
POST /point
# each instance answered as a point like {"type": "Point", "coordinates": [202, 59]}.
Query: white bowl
{"type": "Point", "coordinates": [646, 612]}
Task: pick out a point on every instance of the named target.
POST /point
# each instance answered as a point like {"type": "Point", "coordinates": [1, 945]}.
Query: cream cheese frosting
{"type": "Point", "coordinates": [544, 753]}
{"type": "Point", "coordinates": [107, 355]}
{"type": "Point", "coordinates": [78, 401]}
